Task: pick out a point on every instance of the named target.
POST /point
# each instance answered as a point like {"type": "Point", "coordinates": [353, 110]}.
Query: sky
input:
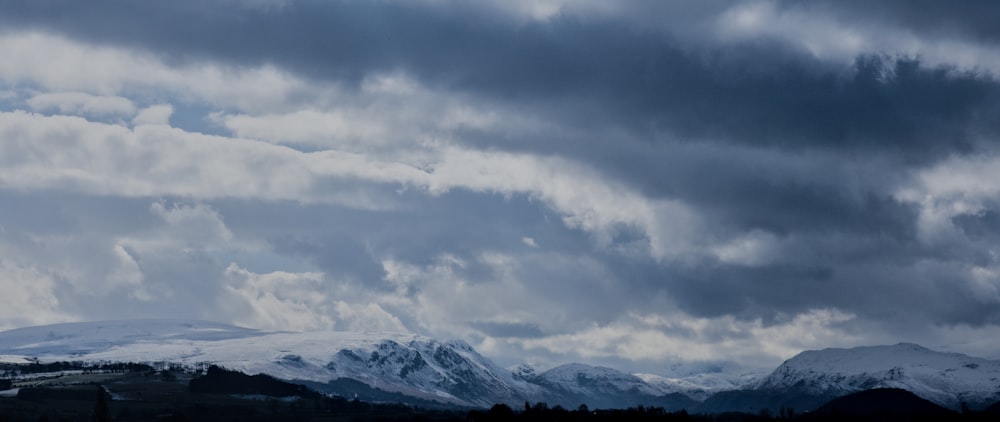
{"type": "Point", "coordinates": [653, 186]}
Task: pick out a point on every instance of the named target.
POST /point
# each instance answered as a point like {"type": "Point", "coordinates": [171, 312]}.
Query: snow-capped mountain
{"type": "Point", "coordinates": [453, 372]}
{"type": "Point", "coordinates": [813, 378]}
{"type": "Point", "coordinates": [417, 366]}
{"type": "Point", "coordinates": [948, 379]}
{"type": "Point", "coordinates": [575, 383]}
{"type": "Point", "coordinates": [699, 386]}
{"type": "Point", "coordinates": [578, 378]}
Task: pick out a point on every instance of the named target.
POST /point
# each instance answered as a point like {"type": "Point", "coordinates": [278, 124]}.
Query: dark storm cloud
{"type": "Point", "coordinates": [744, 193]}
{"type": "Point", "coordinates": [507, 329]}
{"type": "Point", "coordinates": [350, 243]}
{"type": "Point", "coordinates": [601, 75]}
{"type": "Point", "coordinates": [48, 214]}
{"type": "Point", "coordinates": [872, 291]}
{"type": "Point", "coordinates": [582, 71]}
{"type": "Point", "coordinates": [982, 225]}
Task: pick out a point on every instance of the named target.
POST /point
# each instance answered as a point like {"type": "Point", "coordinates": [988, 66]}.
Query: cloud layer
{"type": "Point", "coordinates": [638, 184]}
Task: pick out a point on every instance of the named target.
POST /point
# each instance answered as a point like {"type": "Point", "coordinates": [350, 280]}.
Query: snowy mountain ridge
{"type": "Point", "coordinates": [581, 379]}
{"type": "Point", "coordinates": [453, 372]}
{"type": "Point", "coordinates": [418, 366]}
{"type": "Point", "coordinates": [699, 386]}
{"type": "Point", "coordinates": [948, 379]}
{"type": "Point", "coordinates": [406, 363]}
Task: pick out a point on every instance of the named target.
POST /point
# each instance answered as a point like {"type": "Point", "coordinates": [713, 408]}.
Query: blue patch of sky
{"type": "Point", "coordinates": [12, 97]}
{"type": "Point", "coordinates": [194, 117]}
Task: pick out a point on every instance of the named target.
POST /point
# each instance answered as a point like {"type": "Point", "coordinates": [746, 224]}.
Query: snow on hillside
{"type": "Point", "coordinates": [407, 363]}
{"type": "Point", "coordinates": [944, 378]}
{"type": "Point", "coordinates": [699, 386]}
{"type": "Point", "coordinates": [585, 379]}
{"type": "Point", "coordinates": [77, 339]}
{"type": "Point", "coordinates": [599, 387]}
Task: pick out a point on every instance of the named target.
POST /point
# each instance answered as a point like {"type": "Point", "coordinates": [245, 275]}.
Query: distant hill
{"type": "Point", "coordinates": [755, 401]}
{"type": "Point", "coordinates": [812, 378]}
{"type": "Point", "coordinates": [599, 387]}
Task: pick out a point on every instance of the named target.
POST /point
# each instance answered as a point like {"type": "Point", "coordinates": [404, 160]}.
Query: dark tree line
{"type": "Point", "coordinates": [9, 370]}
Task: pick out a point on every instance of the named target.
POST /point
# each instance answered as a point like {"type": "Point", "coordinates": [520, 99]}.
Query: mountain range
{"type": "Point", "coordinates": [419, 369]}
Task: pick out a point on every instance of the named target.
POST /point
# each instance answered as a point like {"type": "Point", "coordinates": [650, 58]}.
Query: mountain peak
{"type": "Point", "coordinates": [524, 371]}
{"type": "Point", "coordinates": [944, 378]}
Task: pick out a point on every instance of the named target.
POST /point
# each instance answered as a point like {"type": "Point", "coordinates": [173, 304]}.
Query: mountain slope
{"type": "Point", "coordinates": [699, 386]}
{"type": "Point", "coordinates": [814, 377]}
{"type": "Point", "coordinates": [947, 379]}
{"type": "Point", "coordinates": [573, 384]}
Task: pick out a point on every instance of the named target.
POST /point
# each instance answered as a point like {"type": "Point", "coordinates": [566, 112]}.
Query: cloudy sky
{"type": "Point", "coordinates": [642, 184]}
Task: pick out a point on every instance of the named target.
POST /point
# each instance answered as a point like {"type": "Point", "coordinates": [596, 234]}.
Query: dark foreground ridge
{"type": "Point", "coordinates": [222, 381]}
{"type": "Point", "coordinates": [884, 401]}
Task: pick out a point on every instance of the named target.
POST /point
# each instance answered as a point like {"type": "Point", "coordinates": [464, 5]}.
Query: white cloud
{"type": "Point", "coordinates": [391, 116]}
{"type": "Point", "coordinates": [59, 152]}
{"type": "Point", "coordinates": [961, 177]}
{"type": "Point", "coordinates": [440, 300]}
{"type": "Point", "coordinates": [51, 152]}
{"type": "Point", "coordinates": [79, 103]}
{"type": "Point", "coordinates": [819, 35]}
{"type": "Point", "coordinates": [299, 301]}
{"type": "Point", "coordinates": [155, 115]}
{"type": "Point", "coordinates": [154, 159]}
{"type": "Point", "coordinates": [752, 249]}
{"type": "Point", "coordinates": [985, 284]}
{"type": "Point", "coordinates": [826, 37]}
{"type": "Point", "coordinates": [56, 64]}
{"type": "Point", "coordinates": [278, 300]}
{"type": "Point", "coordinates": [129, 274]}
{"type": "Point", "coordinates": [587, 200]}
{"type": "Point", "coordinates": [370, 316]}
{"type": "Point", "coordinates": [958, 185]}
{"type": "Point", "coordinates": [28, 296]}
{"type": "Point", "coordinates": [664, 338]}
{"type": "Point", "coordinates": [347, 129]}
{"type": "Point", "coordinates": [194, 225]}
